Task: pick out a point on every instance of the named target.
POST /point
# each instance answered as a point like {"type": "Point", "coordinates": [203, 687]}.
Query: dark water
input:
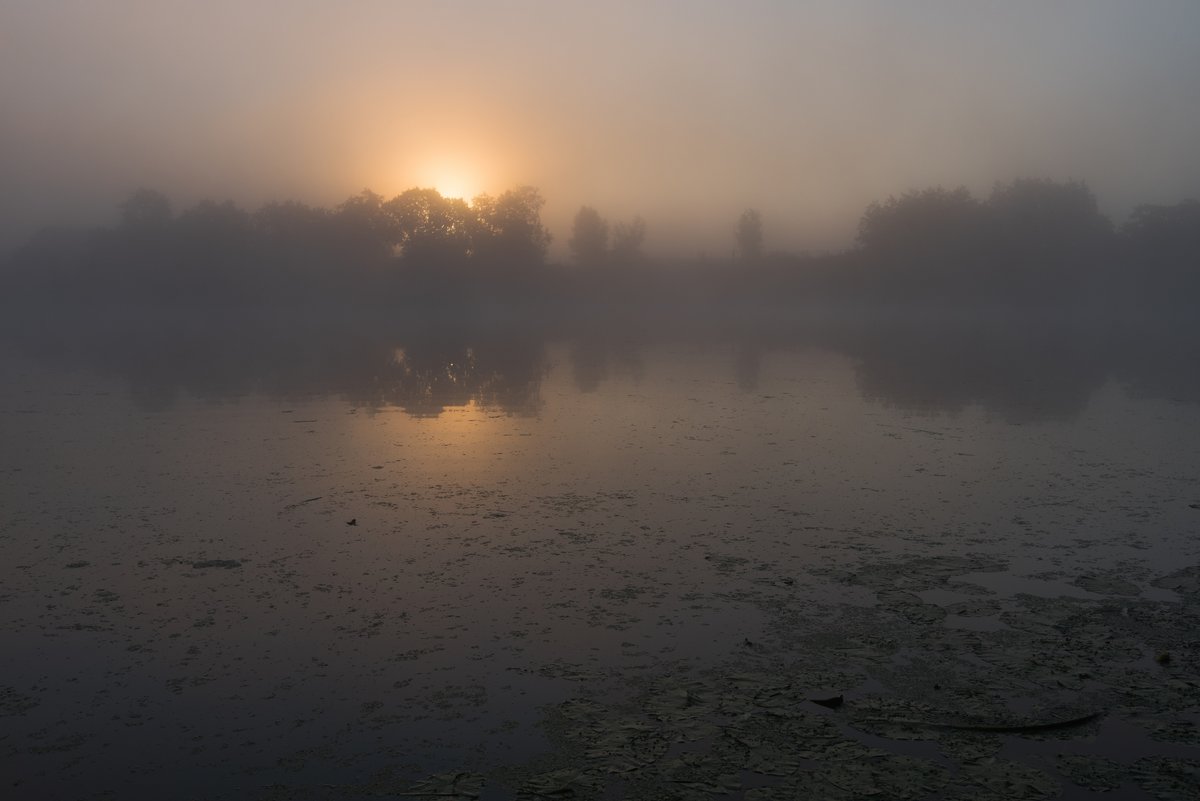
{"type": "Point", "coordinates": [332, 561]}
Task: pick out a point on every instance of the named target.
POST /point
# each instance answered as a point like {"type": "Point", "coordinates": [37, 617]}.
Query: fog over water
{"type": "Point", "coordinates": [665, 401]}
{"type": "Point", "coordinates": [319, 559]}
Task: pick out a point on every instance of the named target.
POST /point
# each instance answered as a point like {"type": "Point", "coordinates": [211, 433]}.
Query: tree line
{"type": "Point", "coordinates": [1031, 240]}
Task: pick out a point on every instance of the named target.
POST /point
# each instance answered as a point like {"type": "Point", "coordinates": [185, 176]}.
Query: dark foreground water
{"type": "Point", "coordinates": [285, 564]}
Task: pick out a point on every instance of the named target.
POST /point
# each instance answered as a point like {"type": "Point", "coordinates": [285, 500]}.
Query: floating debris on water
{"type": "Point", "coordinates": [227, 564]}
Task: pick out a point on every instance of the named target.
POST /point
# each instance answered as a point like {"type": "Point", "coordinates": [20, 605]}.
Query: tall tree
{"type": "Point", "coordinates": [508, 229]}
{"type": "Point", "coordinates": [432, 228]}
{"type": "Point", "coordinates": [366, 228]}
{"type": "Point", "coordinates": [1166, 232]}
{"type": "Point", "coordinates": [145, 209]}
{"type": "Point", "coordinates": [749, 235]}
{"type": "Point", "coordinates": [589, 237]}
{"type": "Point", "coordinates": [931, 223]}
{"type": "Point", "coordinates": [627, 241]}
{"type": "Point", "coordinates": [1047, 220]}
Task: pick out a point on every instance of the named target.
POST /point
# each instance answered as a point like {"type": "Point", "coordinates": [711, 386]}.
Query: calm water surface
{"type": "Point", "coordinates": [295, 574]}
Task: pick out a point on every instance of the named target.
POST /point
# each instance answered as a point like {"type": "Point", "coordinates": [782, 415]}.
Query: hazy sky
{"type": "Point", "coordinates": [685, 112]}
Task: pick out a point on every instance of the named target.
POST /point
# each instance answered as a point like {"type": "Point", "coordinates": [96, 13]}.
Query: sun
{"type": "Point", "coordinates": [451, 179]}
{"type": "Point", "coordinates": [456, 170]}
{"type": "Point", "coordinates": [454, 187]}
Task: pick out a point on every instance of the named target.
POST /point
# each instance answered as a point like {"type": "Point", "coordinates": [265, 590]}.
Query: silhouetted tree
{"type": "Point", "coordinates": [928, 223]}
{"type": "Point", "coordinates": [297, 243]}
{"type": "Point", "coordinates": [1170, 233]}
{"type": "Point", "coordinates": [432, 229]}
{"type": "Point", "coordinates": [365, 228]}
{"type": "Point", "coordinates": [627, 241]}
{"type": "Point", "coordinates": [214, 226]}
{"type": "Point", "coordinates": [290, 221]}
{"type": "Point", "coordinates": [213, 241]}
{"type": "Point", "coordinates": [134, 258]}
{"type": "Point", "coordinates": [1048, 240]}
{"type": "Point", "coordinates": [749, 235]}
{"type": "Point", "coordinates": [1163, 248]}
{"type": "Point", "coordinates": [146, 209]}
{"type": "Point", "coordinates": [1043, 219]}
{"type": "Point", "coordinates": [589, 237]}
{"type": "Point", "coordinates": [926, 245]}
{"type": "Point", "coordinates": [508, 229]}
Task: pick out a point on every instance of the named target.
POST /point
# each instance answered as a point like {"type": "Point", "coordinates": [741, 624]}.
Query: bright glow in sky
{"type": "Point", "coordinates": [685, 112]}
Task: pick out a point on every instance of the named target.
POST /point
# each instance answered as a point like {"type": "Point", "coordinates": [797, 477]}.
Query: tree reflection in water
{"type": "Point", "coordinates": [1021, 370]}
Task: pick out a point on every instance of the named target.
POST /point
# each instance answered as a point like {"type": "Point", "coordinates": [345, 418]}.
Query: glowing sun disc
{"type": "Point", "coordinates": [449, 181]}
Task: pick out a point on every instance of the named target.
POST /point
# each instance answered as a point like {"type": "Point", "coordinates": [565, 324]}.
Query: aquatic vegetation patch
{"type": "Point", "coordinates": [846, 702]}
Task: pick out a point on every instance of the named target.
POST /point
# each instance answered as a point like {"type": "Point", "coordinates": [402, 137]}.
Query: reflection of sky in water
{"type": "Point", "coordinates": [502, 548]}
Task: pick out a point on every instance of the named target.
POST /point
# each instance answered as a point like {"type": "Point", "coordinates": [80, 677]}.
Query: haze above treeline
{"type": "Point", "coordinates": [684, 113]}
